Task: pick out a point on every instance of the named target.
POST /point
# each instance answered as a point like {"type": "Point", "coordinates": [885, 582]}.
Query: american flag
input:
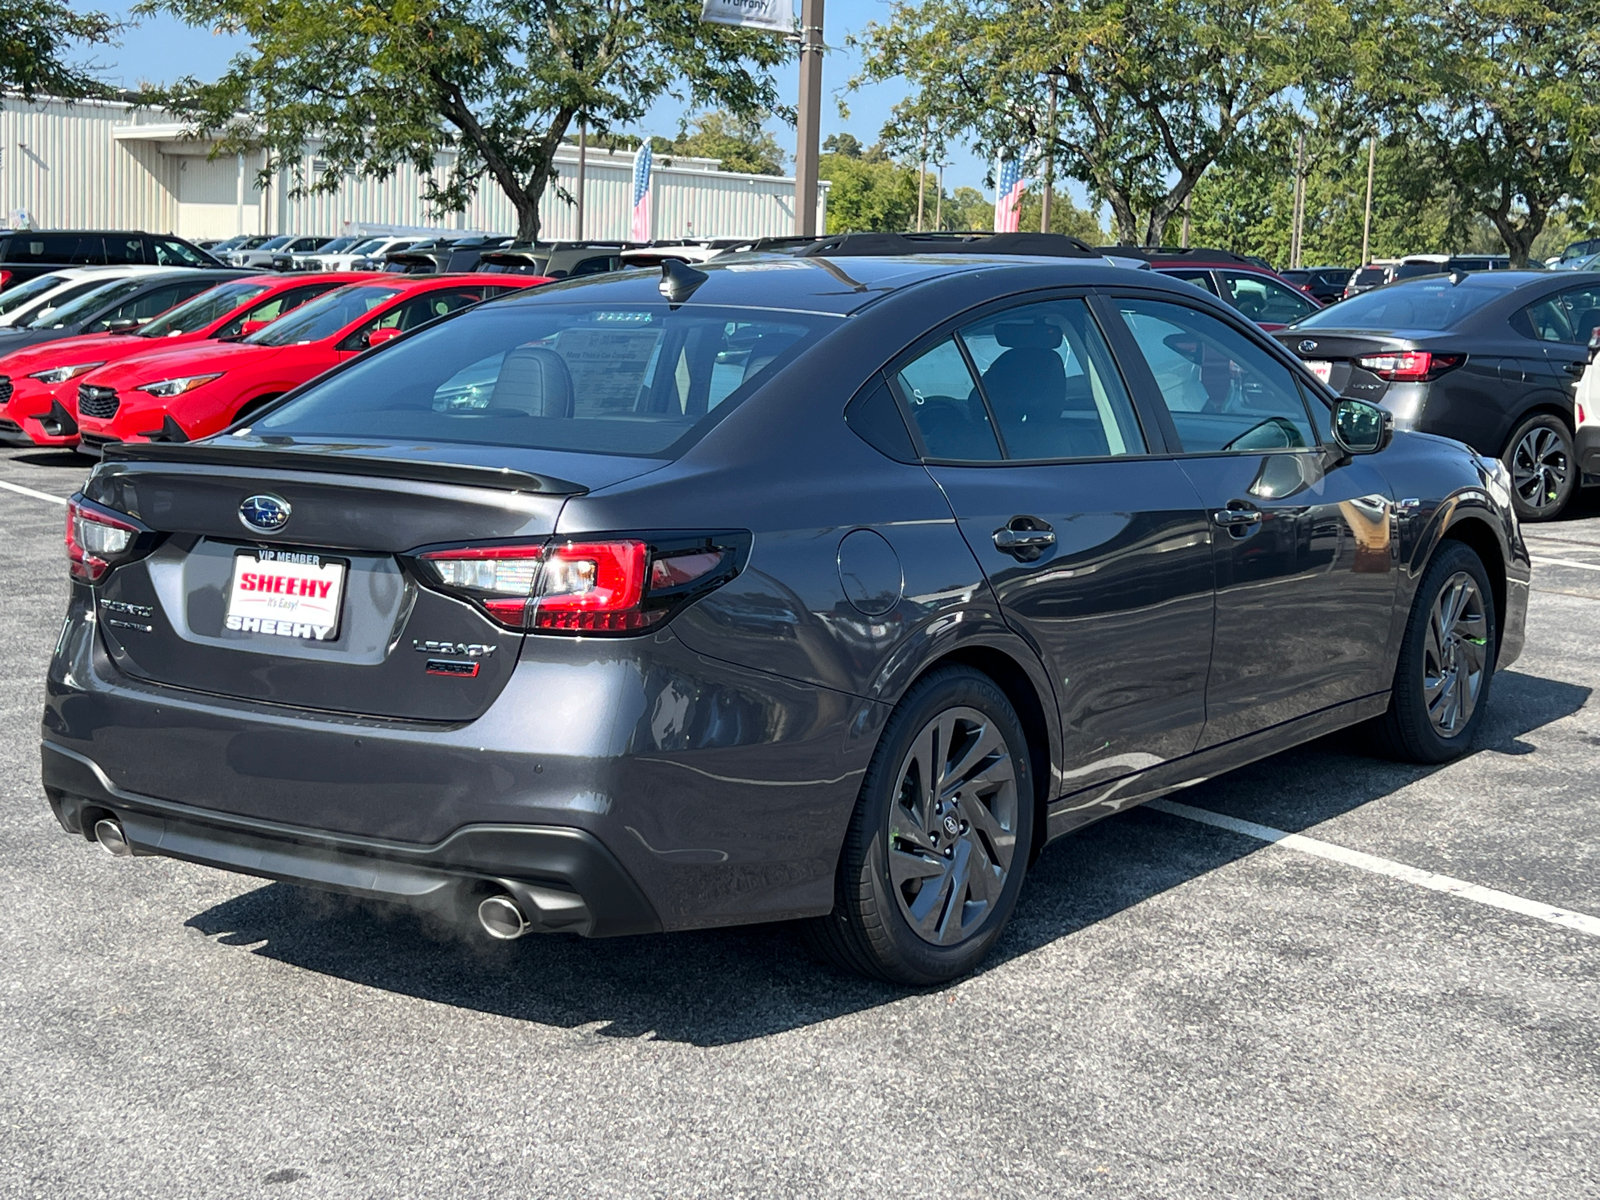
{"type": "Point", "coordinates": [641, 194]}
{"type": "Point", "coordinates": [1008, 196]}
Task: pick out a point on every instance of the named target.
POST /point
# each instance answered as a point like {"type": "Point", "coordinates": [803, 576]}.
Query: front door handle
{"type": "Point", "coordinates": [1236, 518]}
{"type": "Point", "coordinates": [1024, 538]}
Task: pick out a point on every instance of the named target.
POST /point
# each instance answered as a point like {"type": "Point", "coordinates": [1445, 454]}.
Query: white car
{"type": "Point", "coordinates": [263, 254]}
{"type": "Point", "coordinates": [310, 260]}
{"type": "Point", "coordinates": [370, 248]}
{"type": "Point", "coordinates": [44, 293]}
{"type": "Point", "coordinates": [1586, 418]}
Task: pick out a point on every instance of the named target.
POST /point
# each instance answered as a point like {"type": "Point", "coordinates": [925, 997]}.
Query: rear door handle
{"type": "Point", "coordinates": [1575, 368]}
{"type": "Point", "coordinates": [1024, 538]}
{"type": "Point", "coordinates": [1236, 518]}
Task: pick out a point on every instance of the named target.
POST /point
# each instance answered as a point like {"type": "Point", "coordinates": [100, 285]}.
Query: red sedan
{"type": "Point", "coordinates": [180, 395]}
{"type": "Point", "coordinates": [39, 384]}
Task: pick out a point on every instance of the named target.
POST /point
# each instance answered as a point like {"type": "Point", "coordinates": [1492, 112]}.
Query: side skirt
{"type": "Point", "coordinates": [1074, 811]}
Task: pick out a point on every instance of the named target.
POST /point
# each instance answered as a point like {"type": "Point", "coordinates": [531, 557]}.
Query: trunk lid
{"type": "Point", "coordinates": [385, 645]}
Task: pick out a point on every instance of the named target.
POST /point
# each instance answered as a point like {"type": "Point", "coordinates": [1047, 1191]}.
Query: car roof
{"type": "Point", "coordinates": [829, 286]}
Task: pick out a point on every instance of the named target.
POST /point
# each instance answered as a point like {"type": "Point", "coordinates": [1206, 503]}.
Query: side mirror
{"type": "Point", "coordinates": [123, 324]}
{"type": "Point", "coordinates": [1361, 428]}
{"type": "Point", "coordinates": [379, 336]}
{"type": "Point", "coordinates": [249, 327]}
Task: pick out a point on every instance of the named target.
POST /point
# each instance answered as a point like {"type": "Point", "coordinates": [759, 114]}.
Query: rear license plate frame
{"type": "Point", "coordinates": [1321, 368]}
{"type": "Point", "coordinates": [267, 608]}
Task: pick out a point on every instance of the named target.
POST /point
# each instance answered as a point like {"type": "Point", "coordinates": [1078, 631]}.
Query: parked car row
{"type": "Point", "coordinates": [166, 356]}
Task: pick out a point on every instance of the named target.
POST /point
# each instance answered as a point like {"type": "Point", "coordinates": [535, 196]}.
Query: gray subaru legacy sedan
{"type": "Point", "coordinates": [815, 584]}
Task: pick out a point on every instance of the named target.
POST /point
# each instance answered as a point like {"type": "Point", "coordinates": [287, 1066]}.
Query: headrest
{"type": "Point", "coordinates": [1035, 334]}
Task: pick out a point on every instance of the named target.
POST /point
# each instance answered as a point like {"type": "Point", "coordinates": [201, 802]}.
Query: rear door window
{"type": "Point", "coordinates": [1201, 279]}
{"type": "Point", "coordinates": [1570, 316]}
{"type": "Point", "coordinates": [1224, 392]}
{"type": "Point", "coordinates": [125, 248]}
{"type": "Point", "coordinates": [1050, 383]}
{"type": "Point", "coordinates": [67, 249]}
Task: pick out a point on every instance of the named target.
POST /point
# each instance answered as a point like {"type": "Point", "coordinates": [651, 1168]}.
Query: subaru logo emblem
{"type": "Point", "coordinates": [1307, 346]}
{"type": "Point", "coordinates": [264, 513]}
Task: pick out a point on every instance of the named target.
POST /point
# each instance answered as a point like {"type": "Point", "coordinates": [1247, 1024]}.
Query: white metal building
{"type": "Point", "coordinates": [106, 165]}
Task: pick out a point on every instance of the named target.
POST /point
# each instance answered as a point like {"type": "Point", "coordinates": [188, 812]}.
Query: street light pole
{"type": "Point", "coordinates": [1049, 159]}
{"type": "Point", "coordinates": [1366, 222]}
{"type": "Point", "coordinates": [810, 118]}
{"type": "Point", "coordinates": [583, 147]}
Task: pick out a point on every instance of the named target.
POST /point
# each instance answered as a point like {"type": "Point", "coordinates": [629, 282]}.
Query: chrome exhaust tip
{"type": "Point", "coordinates": [502, 918]}
{"type": "Point", "coordinates": [108, 833]}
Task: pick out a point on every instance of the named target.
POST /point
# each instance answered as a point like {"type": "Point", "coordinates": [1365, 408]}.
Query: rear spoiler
{"type": "Point", "coordinates": [339, 461]}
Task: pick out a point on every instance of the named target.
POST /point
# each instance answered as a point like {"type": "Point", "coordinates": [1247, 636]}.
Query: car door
{"type": "Point", "coordinates": [1092, 539]}
{"type": "Point", "coordinates": [1301, 535]}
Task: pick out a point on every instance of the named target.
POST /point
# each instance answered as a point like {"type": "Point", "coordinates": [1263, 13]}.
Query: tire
{"type": "Point", "coordinates": [1421, 726]}
{"type": "Point", "coordinates": [972, 852]}
{"type": "Point", "coordinates": [1540, 457]}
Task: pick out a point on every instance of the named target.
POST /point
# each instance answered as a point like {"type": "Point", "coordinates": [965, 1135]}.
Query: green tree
{"type": "Point", "coordinates": [486, 89]}
{"type": "Point", "coordinates": [1065, 216]}
{"type": "Point", "coordinates": [1504, 98]}
{"type": "Point", "coordinates": [34, 39]}
{"type": "Point", "coordinates": [1149, 95]}
{"type": "Point", "coordinates": [741, 144]}
{"type": "Point", "coordinates": [870, 191]}
{"type": "Point", "coordinates": [968, 208]}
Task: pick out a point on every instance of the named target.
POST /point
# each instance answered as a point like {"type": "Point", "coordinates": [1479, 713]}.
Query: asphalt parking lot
{"type": "Point", "coordinates": [1178, 1010]}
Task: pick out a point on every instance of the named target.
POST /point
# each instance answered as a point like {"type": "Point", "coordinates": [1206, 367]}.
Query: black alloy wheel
{"type": "Point", "coordinates": [940, 838]}
{"type": "Point", "coordinates": [1540, 459]}
{"type": "Point", "coordinates": [1446, 664]}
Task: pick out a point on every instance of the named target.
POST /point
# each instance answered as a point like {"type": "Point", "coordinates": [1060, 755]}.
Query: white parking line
{"type": "Point", "coordinates": [23, 491]}
{"type": "Point", "coordinates": [1563, 562]}
{"type": "Point", "coordinates": [1566, 918]}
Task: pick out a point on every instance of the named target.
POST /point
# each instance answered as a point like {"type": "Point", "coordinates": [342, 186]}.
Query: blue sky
{"type": "Point", "coordinates": [162, 49]}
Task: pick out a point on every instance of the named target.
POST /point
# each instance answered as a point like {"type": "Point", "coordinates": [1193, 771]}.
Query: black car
{"type": "Point", "coordinates": [1323, 284]}
{"type": "Point", "coordinates": [1489, 358]}
{"type": "Point", "coordinates": [1241, 280]}
{"type": "Point", "coordinates": [826, 587]}
{"type": "Point", "coordinates": [25, 253]}
{"type": "Point", "coordinates": [560, 260]}
{"type": "Point", "coordinates": [441, 256]}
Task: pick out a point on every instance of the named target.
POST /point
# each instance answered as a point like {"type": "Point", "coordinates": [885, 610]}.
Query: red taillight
{"type": "Point", "coordinates": [96, 541]}
{"type": "Point", "coordinates": [611, 586]}
{"type": "Point", "coordinates": [5, 278]}
{"type": "Point", "coordinates": [1410, 366]}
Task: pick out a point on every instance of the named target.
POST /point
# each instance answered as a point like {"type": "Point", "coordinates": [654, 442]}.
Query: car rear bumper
{"type": "Point", "coordinates": [722, 793]}
{"type": "Point", "coordinates": [1587, 442]}
{"type": "Point", "coordinates": [565, 879]}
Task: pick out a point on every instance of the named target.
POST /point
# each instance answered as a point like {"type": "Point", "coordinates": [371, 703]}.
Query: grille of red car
{"type": "Point", "coordinates": [98, 402]}
{"type": "Point", "coordinates": [5, 388]}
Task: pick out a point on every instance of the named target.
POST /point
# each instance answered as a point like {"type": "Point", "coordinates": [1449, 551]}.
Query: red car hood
{"type": "Point", "coordinates": [208, 358]}
{"type": "Point", "coordinates": [90, 347]}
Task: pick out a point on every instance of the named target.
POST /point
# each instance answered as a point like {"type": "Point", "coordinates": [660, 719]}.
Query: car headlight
{"type": "Point", "coordinates": [62, 374]}
{"type": "Point", "coordinates": [176, 387]}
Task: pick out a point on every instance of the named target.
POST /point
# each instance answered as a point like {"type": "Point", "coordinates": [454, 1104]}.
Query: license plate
{"type": "Point", "coordinates": [286, 594]}
{"type": "Point", "coordinates": [1322, 370]}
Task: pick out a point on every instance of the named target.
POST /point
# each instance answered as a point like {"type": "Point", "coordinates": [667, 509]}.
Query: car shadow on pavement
{"type": "Point", "coordinates": [54, 458]}
{"type": "Point", "coordinates": [716, 987]}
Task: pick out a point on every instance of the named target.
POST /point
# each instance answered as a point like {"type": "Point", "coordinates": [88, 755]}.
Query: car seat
{"type": "Point", "coordinates": [533, 381]}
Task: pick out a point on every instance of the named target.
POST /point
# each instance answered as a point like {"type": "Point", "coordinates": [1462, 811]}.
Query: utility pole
{"type": "Point", "coordinates": [1366, 224]}
{"type": "Point", "coordinates": [583, 149]}
{"type": "Point", "coordinates": [810, 119]}
{"type": "Point", "coordinates": [1299, 199]}
{"type": "Point", "coordinates": [1049, 156]}
{"type": "Point", "coordinates": [938, 202]}
{"type": "Point", "coordinates": [1186, 200]}
{"type": "Point", "coordinates": [922, 175]}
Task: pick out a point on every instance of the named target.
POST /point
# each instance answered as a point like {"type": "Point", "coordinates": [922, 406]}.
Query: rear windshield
{"type": "Point", "coordinates": [324, 316]}
{"type": "Point", "coordinates": [1433, 303]}
{"type": "Point", "coordinates": [203, 309]}
{"type": "Point", "coordinates": [1413, 270]}
{"type": "Point", "coordinates": [639, 380]}
{"type": "Point", "coordinates": [27, 293]}
{"type": "Point", "coordinates": [1369, 276]}
{"type": "Point", "coordinates": [81, 309]}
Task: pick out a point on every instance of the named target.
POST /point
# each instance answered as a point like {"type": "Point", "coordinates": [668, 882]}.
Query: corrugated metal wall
{"type": "Point", "coordinates": [64, 166]}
